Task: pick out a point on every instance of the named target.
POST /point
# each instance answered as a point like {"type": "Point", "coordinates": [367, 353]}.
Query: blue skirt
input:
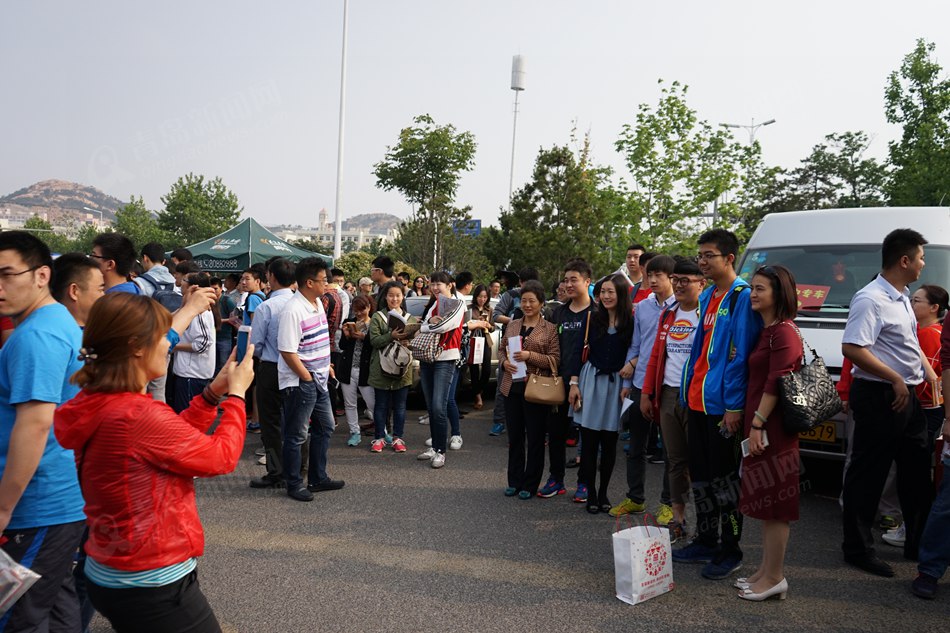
{"type": "Point", "coordinates": [600, 400]}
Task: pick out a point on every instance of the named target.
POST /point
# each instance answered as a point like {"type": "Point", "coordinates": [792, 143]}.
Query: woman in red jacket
{"type": "Point", "coordinates": [136, 460]}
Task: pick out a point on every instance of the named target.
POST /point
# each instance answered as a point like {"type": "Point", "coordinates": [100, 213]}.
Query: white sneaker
{"type": "Point", "coordinates": [895, 537]}
{"type": "Point", "coordinates": [455, 442]}
{"type": "Point", "coordinates": [438, 461]}
{"type": "Point", "coordinates": [260, 452]}
{"type": "Point", "coordinates": [429, 442]}
{"type": "Point", "coordinates": [262, 461]}
{"type": "Point", "coordinates": [428, 454]}
{"type": "Point", "coordinates": [424, 419]}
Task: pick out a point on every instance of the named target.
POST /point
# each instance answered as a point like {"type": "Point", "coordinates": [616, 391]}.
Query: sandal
{"type": "Point", "coordinates": [593, 508]}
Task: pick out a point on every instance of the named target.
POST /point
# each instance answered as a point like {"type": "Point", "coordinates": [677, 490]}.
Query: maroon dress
{"type": "Point", "coordinates": [769, 489]}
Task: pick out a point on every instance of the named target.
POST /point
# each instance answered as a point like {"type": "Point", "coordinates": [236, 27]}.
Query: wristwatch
{"type": "Point", "coordinates": [573, 383]}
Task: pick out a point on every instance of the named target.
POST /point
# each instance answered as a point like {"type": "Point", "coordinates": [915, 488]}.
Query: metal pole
{"type": "Point", "coordinates": [338, 225]}
{"type": "Point", "coordinates": [514, 133]}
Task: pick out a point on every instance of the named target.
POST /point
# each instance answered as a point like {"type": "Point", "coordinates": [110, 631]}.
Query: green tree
{"type": "Point", "coordinates": [355, 265]}
{"type": "Point", "coordinates": [425, 166]}
{"type": "Point", "coordinates": [137, 223]}
{"type": "Point", "coordinates": [196, 209]}
{"type": "Point", "coordinates": [679, 167]}
{"type": "Point", "coordinates": [917, 97]}
{"type": "Point", "coordinates": [57, 242]}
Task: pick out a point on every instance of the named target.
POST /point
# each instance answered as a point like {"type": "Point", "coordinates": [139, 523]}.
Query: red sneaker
{"type": "Point", "coordinates": [399, 446]}
{"type": "Point", "coordinates": [377, 446]}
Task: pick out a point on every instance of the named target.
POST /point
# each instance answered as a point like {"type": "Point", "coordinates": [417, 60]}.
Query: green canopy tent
{"type": "Point", "coordinates": [242, 246]}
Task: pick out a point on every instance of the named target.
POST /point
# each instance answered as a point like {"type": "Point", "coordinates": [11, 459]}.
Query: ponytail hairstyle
{"type": "Point", "coordinates": [438, 276]}
{"type": "Point", "coordinates": [120, 324]}
{"type": "Point", "coordinates": [937, 296]}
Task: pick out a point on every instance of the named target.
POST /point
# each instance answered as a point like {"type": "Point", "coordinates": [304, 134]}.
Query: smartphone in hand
{"type": "Point", "coordinates": [243, 338]}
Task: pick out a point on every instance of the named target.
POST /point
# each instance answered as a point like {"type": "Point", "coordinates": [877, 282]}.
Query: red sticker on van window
{"type": "Point", "coordinates": [812, 296]}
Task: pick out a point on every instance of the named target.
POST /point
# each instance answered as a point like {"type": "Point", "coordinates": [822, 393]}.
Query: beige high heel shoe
{"type": "Point", "coordinates": [780, 590]}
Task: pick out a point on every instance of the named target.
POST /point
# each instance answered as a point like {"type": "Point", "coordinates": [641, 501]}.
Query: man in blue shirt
{"type": "Point", "coordinates": [280, 275]}
{"type": "Point", "coordinates": [115, 255]}
{"type": "Point", "coordinates": [880, 338]}
{"type": "Point", "coordinates": [41, 507]}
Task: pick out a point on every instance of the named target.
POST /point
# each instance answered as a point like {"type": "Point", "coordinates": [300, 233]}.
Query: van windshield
{"type": "Point", "coordinates": [827, 276]}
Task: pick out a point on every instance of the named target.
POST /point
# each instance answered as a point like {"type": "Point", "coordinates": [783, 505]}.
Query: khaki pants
{"type": "Point", "coordinates": [673, 429]}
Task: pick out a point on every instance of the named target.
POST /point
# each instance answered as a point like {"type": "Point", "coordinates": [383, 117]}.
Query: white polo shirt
{"type": "Point", "coordinates": [303, 330]}
{"type": "Point", "coordinates": [882, 320]}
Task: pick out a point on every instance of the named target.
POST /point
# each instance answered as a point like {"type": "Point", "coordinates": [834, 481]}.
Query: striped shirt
{"type": "Point", "coordinates": [112, 578]}
{"type": "Point", "coordinates": [303, 330]}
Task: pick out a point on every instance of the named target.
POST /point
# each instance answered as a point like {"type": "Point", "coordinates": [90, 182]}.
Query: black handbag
{"type": "Point", "coordinates": [808, 394]}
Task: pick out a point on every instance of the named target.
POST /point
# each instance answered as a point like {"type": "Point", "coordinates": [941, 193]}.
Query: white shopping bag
{"type": "Point", "coordinates": [15, 580]}
{"type": "Point", "coordinates": [643, 563]}
{"type": "Point", "coordinates": [477, 352]}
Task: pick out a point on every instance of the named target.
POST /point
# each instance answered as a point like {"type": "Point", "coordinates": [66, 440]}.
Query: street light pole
{"type": "Point", "coordinates": [517, 84]}
{"type": "Point", "coordinates": [338, 216]}
{"type": "Point", "coordinates": [751, 128]}
{"type": "Point", "coordinates": [100, 216]}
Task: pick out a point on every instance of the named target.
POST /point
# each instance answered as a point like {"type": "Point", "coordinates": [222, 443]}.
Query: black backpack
{"type": "Point", "coordinates": [164, 293]}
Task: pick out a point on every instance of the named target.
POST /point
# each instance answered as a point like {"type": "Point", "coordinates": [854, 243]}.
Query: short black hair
{"type": "Point", "coordinates": [533, 286]}
{"type": "Point", "coordinates": [308, 268]}
{"type": "Point", "coordinates": [283, 271]}
{"type": "Point", "coordinates": [900, 243]}
{"type": "Point", "coordinates": [463, 279]}
{"type": "Point", "coordinates": [579, 265]}
{"type": "Point", "coordinates": [255, 272]}
{"type": "Point", "coordinates": [182, 254]}
{"type": "Point", "coordinates": [404, 275]}
{"type": "Point", "coordinates": [119, 249]}
{"type": "Point", "coordinates": [528, 274]}
{"type": "Point", "coordinates": [200, 279]}
{"type": "Point", "coordinates": [661, 264]}
{"type": "Point", "coordinates": [385, 264]}
{"type": "Point", "coordinates": [30, 248]}
{"type": "Point", "coordinates": [68, 269]}
{"type": "Point", "coordinates": [187, 267]}
{"type": "Point", "coordinates": [685, 266]}
{"type": "Point", "coordinates": [337, 272]}
{"type": "Point", "coordinates": [637, 247]}
{"type": "Point", "coordinates": [725, 241]}
{"type": "Point", "coordinates": [235, 277]}
{"type": "Point", "coordinates": [154, 251]}
{"type": "Point", "coordinates": [645, 259]}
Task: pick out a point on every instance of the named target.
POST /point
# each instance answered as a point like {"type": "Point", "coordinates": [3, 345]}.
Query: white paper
{"type": "Point", "coordinates": [514, 345]}
{"type": "Point", "coordinates": [625, 405]}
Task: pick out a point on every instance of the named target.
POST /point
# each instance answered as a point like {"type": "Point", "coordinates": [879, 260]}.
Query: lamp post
{"type": "Point", "coordinates": [338, 215]}
{"type": "Point", "coordinates": [517, 84]}
{"type": "Point", "coordinates": [751, 128]}
{"type": "Point", "coordinates": [99, 226]}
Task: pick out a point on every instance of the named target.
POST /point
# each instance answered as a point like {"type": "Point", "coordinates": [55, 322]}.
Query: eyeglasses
{"type": "Point", "coordinates": [7, 276]}
{"type": "Point", "coordinates": [684, 281]}
{"type": "Point", "coordinates": [700, 257]}
{"type": "Point", "coordinates": [94, 256]}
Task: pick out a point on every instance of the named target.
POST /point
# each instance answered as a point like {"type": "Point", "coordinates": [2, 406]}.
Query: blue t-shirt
{"type": "Point", "coordinates": [126, 286]}
{"type": "Point", "coordinates": [36, 364]}
{"type": "Point", "coordinates": [253, 300]}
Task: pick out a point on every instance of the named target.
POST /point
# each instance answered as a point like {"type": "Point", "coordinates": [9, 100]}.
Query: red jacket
{"type": "Point", "coordinates": [136, 460]}
{"type": "Point", "coordinates": [656, 367]}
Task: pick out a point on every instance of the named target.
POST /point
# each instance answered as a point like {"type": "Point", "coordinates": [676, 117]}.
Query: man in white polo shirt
{"type": "Point", "coordinates": [303, 339]}
{"type": "Point", "coordinates": [881, 340]}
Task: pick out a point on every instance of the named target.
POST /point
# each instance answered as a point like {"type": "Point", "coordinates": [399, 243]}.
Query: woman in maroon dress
{"type": "Point", "coordinates": [769, 490]}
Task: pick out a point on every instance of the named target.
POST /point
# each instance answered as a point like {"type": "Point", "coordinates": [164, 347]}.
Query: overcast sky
{"type": "Point", "coordinates": [128, 96]}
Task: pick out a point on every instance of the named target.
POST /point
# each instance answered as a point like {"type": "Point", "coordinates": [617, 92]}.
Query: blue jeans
{"type": "Point", "coordinates": [436, 381]}
{"type": "Point", "coordinates": [222, 349]}
{"type": "Point", "coordinates": [934, 546]}
{"type": "Point", "coordinates": [304, 404]}
{"type": "Point", "coordinates": [390, 401]}
{"type": "Point", "coordinates": [453, 408]}
{"type": "Point", "coordinates": [185, 390]}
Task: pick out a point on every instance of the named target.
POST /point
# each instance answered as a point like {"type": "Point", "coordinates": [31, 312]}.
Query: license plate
{"type": "Point", "coordinates": [824, 432]}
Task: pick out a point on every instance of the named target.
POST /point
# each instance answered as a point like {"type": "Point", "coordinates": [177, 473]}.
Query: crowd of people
{"type": "Point", "coordinates": [677, 351]}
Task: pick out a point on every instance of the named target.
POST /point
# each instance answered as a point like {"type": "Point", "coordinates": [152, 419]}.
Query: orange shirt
{"type": "Point", "coordinates": [695, 399]}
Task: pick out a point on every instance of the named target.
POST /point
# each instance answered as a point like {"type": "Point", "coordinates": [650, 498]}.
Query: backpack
{"type": "Point", "coordinates": [395, 359]}
{"type": "Point", "coordinates": [164, 293]}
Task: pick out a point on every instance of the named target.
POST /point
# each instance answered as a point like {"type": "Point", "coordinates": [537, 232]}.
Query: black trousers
{"type": "Point", "coordinates": [526, 421]}
{"type": "Point", "coordinates": [714, 471]}
{"type": "Point", "coordinates": [51, 604]}
{"type": "Point", "coordinates": [603, 443]}
{"type": "Point", "coordinates": [882, 436]}
{"type": "Point", "coordinates": [176, 608]}
{"type": "Point", "coordinates": [558, 426]}
{"type": "Point", "coordinates": [479, 374]}
{"type": "Point", "coordinates": [270, 411]}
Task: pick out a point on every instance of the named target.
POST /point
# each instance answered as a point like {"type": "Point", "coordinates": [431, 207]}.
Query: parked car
{"type": "Point", "coordinates": [833, 253]}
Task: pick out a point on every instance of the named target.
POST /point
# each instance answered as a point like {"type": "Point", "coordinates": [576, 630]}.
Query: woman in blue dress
{"type": "Point", "coordinates": [595, 394]}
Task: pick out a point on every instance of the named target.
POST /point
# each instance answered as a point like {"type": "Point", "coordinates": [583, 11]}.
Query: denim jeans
{"type": "Point", "coordinates": [185, 390]}
{"type": "Point", "coordinates": [390, 401]}
{"type": "Point", "coordinates": [222, 349]}
{"type": "Point", "coordinates": [453, 408]}
{"type": "Point", "coordinates": [934, 546]}
{"type": "Point", "coordinates": [302, 404]}
{"type": "Point", "coordinates": [436, 381]}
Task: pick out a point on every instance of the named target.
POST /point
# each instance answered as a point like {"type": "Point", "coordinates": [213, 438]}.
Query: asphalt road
{"type": "Point", "coordinates": [404, 547]}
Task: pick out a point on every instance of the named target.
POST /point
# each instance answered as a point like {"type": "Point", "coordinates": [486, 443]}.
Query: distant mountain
{"type": "Point", "coordinates": [58, 200]}
{"type": "Point", "coordinates": [372, 222]}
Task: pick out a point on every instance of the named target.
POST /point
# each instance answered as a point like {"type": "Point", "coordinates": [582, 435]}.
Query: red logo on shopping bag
{"type": "Point", "coordinates": [655, 559]}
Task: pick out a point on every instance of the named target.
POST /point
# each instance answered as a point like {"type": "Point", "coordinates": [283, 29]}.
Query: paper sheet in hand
{"type": "Point", "coordinates": [514, 345]}
{"type": "Point", "coordinates": [626, 405]}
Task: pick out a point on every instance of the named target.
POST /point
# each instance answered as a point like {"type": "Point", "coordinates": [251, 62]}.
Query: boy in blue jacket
{"type": "Point", "coordinates": [714, 387]}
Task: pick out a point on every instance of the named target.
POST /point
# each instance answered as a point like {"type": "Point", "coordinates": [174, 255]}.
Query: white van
{"type": "Point", "coordinates": [833, 253]}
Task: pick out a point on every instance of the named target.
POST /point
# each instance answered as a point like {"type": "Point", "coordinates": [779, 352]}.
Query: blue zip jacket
{"type": "Point", "coordinates": [734, 336]}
